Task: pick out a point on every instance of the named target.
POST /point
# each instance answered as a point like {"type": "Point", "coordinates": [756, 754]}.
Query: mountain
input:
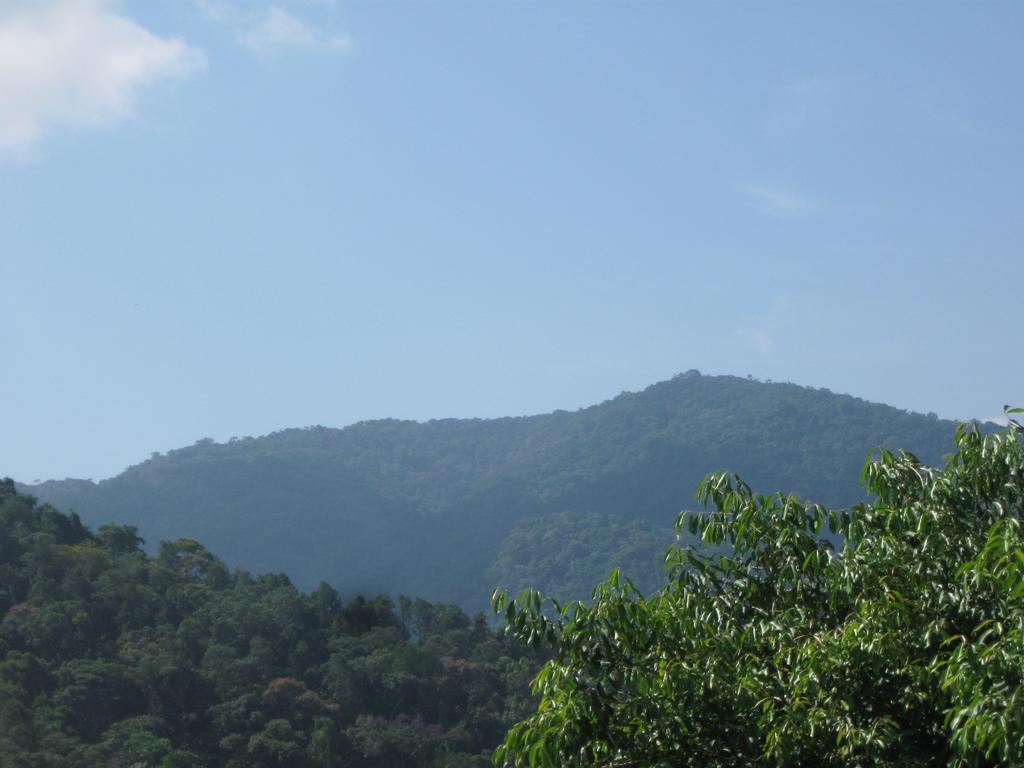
{"type": "Point", "coordinates": [449, 508]}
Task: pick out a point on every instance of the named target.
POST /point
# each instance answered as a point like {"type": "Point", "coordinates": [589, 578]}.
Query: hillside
{"type": "Point", "coordinates": [447, 509]}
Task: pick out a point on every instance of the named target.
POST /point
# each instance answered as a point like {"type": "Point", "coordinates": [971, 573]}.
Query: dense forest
{"type": "Point", "coordinates": [888, 633]}
{"type": "Point", "coordinates": [112, 657]}
{"type": "Point", "coordinates": [448, 508]}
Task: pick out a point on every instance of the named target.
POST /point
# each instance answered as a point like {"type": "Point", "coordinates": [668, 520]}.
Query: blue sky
{"type": "Point", "coordinates": [227, 217]}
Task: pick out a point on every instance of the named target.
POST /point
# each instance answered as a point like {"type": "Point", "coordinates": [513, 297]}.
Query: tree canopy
{"type": "Point", "coordinates": [111, 657]}
{"type": "Point", "coordinates": [901, 646]}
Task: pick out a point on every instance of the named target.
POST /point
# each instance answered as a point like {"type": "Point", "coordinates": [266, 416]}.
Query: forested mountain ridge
{"type": "Point", "coordinates": [448, 508]}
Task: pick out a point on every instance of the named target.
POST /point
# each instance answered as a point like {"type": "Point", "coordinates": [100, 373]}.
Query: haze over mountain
{"type": "Point", "coordinates": [447, 509]}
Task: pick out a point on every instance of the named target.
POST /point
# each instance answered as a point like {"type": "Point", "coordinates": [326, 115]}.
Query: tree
{"type": "Point", "coordinates": [119, 539]}
{"type": "Point", "coordinates": [903, 646]}
{"type": "Point", "coordinates": [278, 745]}
{"type": "Point", "coordinates": [111, 657]}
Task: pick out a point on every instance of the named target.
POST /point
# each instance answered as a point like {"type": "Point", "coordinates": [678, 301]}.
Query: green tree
{"type": "Point", "coordinates": [278, 745]}
{"type": "Point", "coordinates": [325, 745]}
{"type": "Point", "coordinates": [137, 741]}
{"type": "Point", "coordinates": [904, 647]}
{"type": "Point", "coordinates": [119, 539]}
{"type": "Point", "coordinates": [111, 657]}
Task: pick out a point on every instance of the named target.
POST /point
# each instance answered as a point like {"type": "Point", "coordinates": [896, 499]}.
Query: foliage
{"type": "Point", "coordinates": [380, 506]}
{"type": "Point", "coordinates": [903, 648]}
{"type": "Point", "coordinates": [110, 657]}
{"type": "Point", "coordinates": [566, 553]}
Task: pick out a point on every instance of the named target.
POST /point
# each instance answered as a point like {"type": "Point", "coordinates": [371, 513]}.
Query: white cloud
{"type": "Point", "coordinates": [763, 331]}
{"type": "Point", "coordinates": [76, 62]}
{"type": "Point", "coordinates": [777, 200]}
{"type": "Point", "coordinates": [762, 340]}
{"type": "Point", "coordinates": [273, 29]}
{"type": "Point", "coordinates": [279, 30]}
{"type": "Point", "coordinates": [216, 11]}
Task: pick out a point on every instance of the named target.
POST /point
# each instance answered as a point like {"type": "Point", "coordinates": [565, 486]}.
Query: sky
{"type": "Point", "coordinates": [222, 218]}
